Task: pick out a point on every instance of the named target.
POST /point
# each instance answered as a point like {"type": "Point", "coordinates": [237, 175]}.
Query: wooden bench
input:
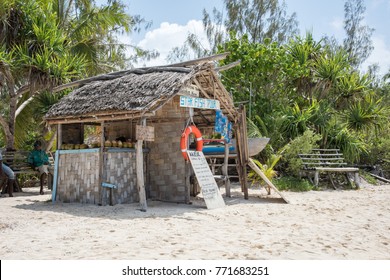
{"type": "Point", "coordinates": [17, 161]}
{"type": "Point", "coordinates": [327, 160]}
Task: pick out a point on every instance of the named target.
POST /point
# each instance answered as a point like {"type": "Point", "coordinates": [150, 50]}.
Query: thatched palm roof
{"type": "Point", "coordinates": [136, 93]}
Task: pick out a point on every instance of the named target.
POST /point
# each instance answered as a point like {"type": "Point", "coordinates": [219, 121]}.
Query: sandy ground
{"type": "Point", "coordinates": [330, 224]}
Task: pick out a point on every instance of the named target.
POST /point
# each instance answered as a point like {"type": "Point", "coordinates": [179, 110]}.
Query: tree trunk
{"type": "Point", "coordinates": [11, 124]}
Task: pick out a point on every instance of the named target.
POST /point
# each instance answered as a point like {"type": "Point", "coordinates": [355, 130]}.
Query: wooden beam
{"type": "Point", "coordinates": [253, 165]}
{"type": "Point", "coordinates": [228, 66]}
{"type": "Point", "coordinates": [202, 59]}
{"type": "Point", "coordinates": [201, 89]}
{"type": "Point", "coordinates": [96, 118]}
{"type": "Point", "coordinates": [380, 178]}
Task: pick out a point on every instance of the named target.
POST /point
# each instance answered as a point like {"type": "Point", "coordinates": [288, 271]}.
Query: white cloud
{"type": "Point", "coordinates": [168, 36]}
{"type": "Point", "coordinates": [337, 24]}
{"type": "Point", "coordinates": [380, 56]}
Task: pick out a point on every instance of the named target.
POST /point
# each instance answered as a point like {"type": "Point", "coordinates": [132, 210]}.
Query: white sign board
{"type": "Point", "coordinates": [144, 133]}
{"type": "Point", "coordinates": [200, 103]}
{"type": "Point", "coordinates": [211, 194]}
{"type": "Point", "coordinates": [191, 90]}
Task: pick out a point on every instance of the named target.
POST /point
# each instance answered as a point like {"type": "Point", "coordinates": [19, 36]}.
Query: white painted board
{"type": "Point", "coordinates": [211, 194]}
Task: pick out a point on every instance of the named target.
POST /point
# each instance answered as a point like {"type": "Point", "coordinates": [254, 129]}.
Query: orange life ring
{"type": "Point", "coordinates": [184, 140]}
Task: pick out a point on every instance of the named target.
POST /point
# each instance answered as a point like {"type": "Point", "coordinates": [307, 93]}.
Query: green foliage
{"type": "Point", "coordinates": [295, 120]}
{"type": "Point", "coordinates": [263, 72]}
{"type": "Point", "coordinates": [303, 85]}
{"type": "Point", "coordinates": [254, 130]}
{"type": "Point", "coordinates": [44, 43]}
{"type": "Point", "coordinates": [294, 184]}
{"type": "Point", "coordinates": [300, 145]}
{"type": "Point", "coordinates": [366, 114]}
{"type": "Point", "coordinates": [267, 169]}
{"type": "Point", "coordinates": [348, 141]}
{"type": "Point", "coordinates": [368, 178]}
{"type": "Point", "coordinates": [379, 151]}
{"type": "Point", "coordinates": [2, 142]}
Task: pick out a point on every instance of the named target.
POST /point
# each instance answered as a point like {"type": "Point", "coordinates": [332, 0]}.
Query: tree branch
{"type": "Point", "coordinates": [9, 78]}
{"type": "Point", "coordinates": [4, 124]}
{"type": "Point", "coordinates": [23, 105]}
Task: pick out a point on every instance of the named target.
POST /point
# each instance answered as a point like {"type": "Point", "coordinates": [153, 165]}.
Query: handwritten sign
{"type": "Point", "coordinates": [191, 90]}
{"type": "Point", "coordinates": [200, 103]}
{"type": "Point", "coordinates": [210, 191]}
{"type": "Point", "coordinates": [144, 133]}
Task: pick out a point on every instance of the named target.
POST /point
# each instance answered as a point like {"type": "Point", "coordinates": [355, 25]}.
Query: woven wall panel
{"type": "Point", "coordinates": [167, 172]}
{"type": "Point", "coordinates": [78, 178]}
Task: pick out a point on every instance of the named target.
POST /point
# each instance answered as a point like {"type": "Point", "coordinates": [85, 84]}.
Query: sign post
{"type": "Point", "coordinates": [211, 194]}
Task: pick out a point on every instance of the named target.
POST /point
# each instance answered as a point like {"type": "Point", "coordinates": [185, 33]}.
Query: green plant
{"type": "Point", "coordinates": [368, 178]}
{"type": "Point", "coordinates": [267, 169]}
{"type": "Point", "coordinates": [348, 141]}
{"type": "Point", "coordinates": [301, 144]}
{"type": "Point", "coordinates": [294, 184]}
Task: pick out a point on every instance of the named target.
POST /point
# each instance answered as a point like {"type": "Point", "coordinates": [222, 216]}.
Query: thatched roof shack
{"type": "Point", "coordinates": [138, 93]}
{"type": "Point", "coordinates": [146, 96]}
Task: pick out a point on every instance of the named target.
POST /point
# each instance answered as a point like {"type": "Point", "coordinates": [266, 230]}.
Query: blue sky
{"type": "Point", "coordinates": [173, 19]}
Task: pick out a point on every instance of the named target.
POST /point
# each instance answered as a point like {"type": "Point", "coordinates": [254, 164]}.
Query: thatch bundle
{"type": "Point", "coordinates": [132, 92]}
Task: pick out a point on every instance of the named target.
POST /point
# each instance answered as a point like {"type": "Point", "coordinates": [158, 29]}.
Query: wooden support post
{"type": "Point", "coordinates": [316, 178]}
{"type": "Point", "coordinates": [140, 172]}
{"type": "Point", "coordinates": [242, 151]}
{"type": "Point", "coordinates": [55, 176]}
{"type": "Point", "coordinates": [357, 180]}
{"type": "Point", "coordinates": [101, 165]}
{"type": "Point", "coordinates": [59, 136]}
{"type": "Point", "coordinates": [187, 186]}
{"type": "Point", "coordinates": [225, 170]}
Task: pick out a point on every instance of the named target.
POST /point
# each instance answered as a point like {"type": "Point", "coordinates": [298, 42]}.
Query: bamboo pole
{"type": "Point", "coordinates": [242, 150]}
{"type": "Point", "coordinates": [101, 167]}
{"type": "Point", "coordinates": [225, 170]}
{"type": "Point", "coordinates": [59, 136]}
{"type": "Point", "coordinates": [245, 153]}
{"type": "Point", "coordinates": [140, 172]}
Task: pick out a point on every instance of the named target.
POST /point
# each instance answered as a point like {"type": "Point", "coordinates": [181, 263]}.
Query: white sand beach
{"type": "Point", "coordinates": [330, 224]}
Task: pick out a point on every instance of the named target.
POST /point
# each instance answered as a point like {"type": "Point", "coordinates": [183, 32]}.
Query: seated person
{"type": "Point", "coordinates": [39, 161]}
{"type": "Point", "coordinates": [4, 169]}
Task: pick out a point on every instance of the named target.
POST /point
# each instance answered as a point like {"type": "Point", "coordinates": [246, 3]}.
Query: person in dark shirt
{"type": "Point", "coordinates": [39, 160]}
